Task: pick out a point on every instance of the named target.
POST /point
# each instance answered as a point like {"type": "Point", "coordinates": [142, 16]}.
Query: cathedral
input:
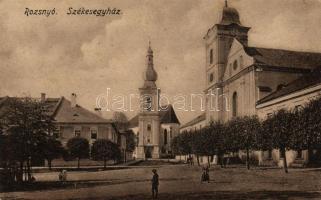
{"type": "Point", "coordinates": [156, 125]}
{"type": "Point", "coordinates": [253, 80]}
{"type": "Point", "coordinates": [242, 75]}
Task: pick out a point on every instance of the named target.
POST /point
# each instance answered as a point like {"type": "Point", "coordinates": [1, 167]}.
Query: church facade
{"type": "Point", "coordinates": [156, 125]}
{"type": "Point", "coordinates": [247, 80]}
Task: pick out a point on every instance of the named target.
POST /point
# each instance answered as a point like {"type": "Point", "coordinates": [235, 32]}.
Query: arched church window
{"type": "Point", "coordinates": [211, 56]}
{"type": "Point", "coordinates": [211, 77]}
{"type": "Point", "coordinates": [235, 65]}
{"type": "Point", "coordinates": [165, 136]}
{"type": "Point", "coordinates": [234, 104]}
{"type": "Point", "coordinates": [149, 127]}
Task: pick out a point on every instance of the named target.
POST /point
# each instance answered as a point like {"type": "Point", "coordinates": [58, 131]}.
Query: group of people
{"type": "Point", "coordinates": [155, 179]}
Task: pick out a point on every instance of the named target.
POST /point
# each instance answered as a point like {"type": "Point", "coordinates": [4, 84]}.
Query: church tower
{"type": "Point", "coordinates": [218, 41]}
{"type": "Point", "coordinates": [149, 119]}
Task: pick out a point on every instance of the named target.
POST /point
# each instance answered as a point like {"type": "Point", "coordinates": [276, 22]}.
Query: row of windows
{"type": "Point", "coordinates": [93, 134]}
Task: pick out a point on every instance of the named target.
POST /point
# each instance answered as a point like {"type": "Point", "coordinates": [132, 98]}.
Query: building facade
{"type": "Point", "coordinates": [72, 120]}
{"type": "Point", "coordinates": [155, 125]}
{"type": "Point", "coordinates": [243, 80]}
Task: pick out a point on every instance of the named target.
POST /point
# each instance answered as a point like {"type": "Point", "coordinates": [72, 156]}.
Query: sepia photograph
{"type": "Point", "coordinates": [166, 99]}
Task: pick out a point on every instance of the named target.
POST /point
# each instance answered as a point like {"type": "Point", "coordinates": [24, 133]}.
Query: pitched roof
{"type": "Point", "coordinates": [62, 111]}
{"type": "Point", "coordinates": [284, 58]}
{"type": "Point", "coordinates": [167, 115]}
{"type": "Point", "coordinates": [301, 83]}
{"type": "Point", "coordinates": [65, 113]}
{"type": "Point", "coordinates": [51, 105]}
{"type": "Point", "coordinates": [133, 122]}
{"type": "Point", "coordinates": [194, 121]}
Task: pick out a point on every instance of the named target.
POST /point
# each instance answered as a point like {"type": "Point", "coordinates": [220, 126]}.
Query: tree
{"type": "Point", "coordinates": [308, 134]}
{"type": "Point", "coordinates": [78, 148]}
{"type": "Point", "coordinates": [27, 127]}
{"type": "Point", "coordinates": [182, 144]}
{"type": "Point", "coordinates": [249, 128]}
{"type": "Point", "coordinates": [280, 126]}
{"type": "Point", "coordinates": [105, 150]}
{"type": "Point", "coordinates": [130, 141]}
{"type": "Point", "coordinates": [120, 120]}
{"type": "Point", "coordinates": [218, 140]}
{"type": "Point", "coordinates": [52, 149]}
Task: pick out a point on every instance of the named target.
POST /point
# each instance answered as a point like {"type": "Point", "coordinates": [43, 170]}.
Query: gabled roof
{"type": "Point", "coordinates": [62, 111]}
{"type": "Point", "coordinates": [301, 83]}
{"type": "Point", "coordinates": [194, 121]}
{"type": "Point", "coordinates": [65, 113]}
{"type": "Point", "coordinates": [167, 116]}
{"type": "Point", "coordinates": [284, 58]}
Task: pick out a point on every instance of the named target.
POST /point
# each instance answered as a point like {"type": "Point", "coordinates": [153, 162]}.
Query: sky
{"type": "Point", "coordinates": [63, 54]}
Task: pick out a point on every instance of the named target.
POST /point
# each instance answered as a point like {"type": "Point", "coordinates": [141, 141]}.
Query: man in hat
{"type": "Point", "coordinates": [155, 184]}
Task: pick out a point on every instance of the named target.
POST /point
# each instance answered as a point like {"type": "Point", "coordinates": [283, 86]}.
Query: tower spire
{"type": "Point", "coordinates": [150, 74]}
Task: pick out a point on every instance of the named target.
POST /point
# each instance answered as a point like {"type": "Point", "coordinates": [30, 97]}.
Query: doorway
{"type": "Point", "coordinates": [148, 152]}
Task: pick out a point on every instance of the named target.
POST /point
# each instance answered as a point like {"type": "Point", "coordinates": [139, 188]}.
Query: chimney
{"type": "Point", "coordinates": [43, 97]}
{"type": "Point", "coordinates": [73, 100]}
{"type": "Point", "coordinates": [98, 111]}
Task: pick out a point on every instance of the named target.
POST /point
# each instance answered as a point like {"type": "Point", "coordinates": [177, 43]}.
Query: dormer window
{"type": "Point", "coordinates": [211, 56]}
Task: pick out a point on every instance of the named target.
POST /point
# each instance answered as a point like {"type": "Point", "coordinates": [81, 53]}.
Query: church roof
{"type": "Point", "coordinates": [301, 83]}
{"type": "Point", "coordinates": [167, 116]}
{"type": "Point", "coordinates": [194, 121]}
{"type": "Point", "coordinates": [284, 58]}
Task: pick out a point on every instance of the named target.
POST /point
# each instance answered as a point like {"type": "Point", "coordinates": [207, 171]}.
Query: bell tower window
{"type": "Point", "coordinates": [147, 103]}
{"type": "Point", "coordinates": [211, 56]}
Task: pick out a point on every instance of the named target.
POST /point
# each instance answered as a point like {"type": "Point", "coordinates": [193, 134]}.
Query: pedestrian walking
{"type": "Point", "coordinates": [205, 175]}
{"type": "Point", "coordinates": [155, 183]}
{"type": "Point", "coordinates": [64, 175]}
{"type": "Point", "coordinates": [60, 176]}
